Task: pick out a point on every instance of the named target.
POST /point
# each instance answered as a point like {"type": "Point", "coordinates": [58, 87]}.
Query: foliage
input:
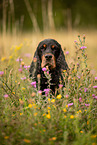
{"type": "Point", "coordinates": [66, 118]}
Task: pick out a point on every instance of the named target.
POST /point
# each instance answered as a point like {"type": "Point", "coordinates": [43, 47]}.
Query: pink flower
{"type": "Point", "coordinates": [83, 47]}
{"type": "Point", "coordinates": [44, 69]}
{"type": "Point", "coordinates": [23, 78]}
{"type": "Point", "coordinates": [70, 104]}
{"type": "Point", "coordinates": [19, 59]}
{"type": "Point", "coordinates": [28, 55]}
{"type": "Point", "coordinates": [46, 91]}
{"type": "Point", "coordinates": [95, 78]}
{"type": "Point", "coordinates": [95, 87]}
{"type": "Point", "coordinates": [20, 70]}
{"type": "Point", "coordinates": [67, 52]}
{"type": "Point", "coordinates": [95, 97]}
{"type": "Point", "coordinates": [85, 90]}
{"type": "Point", "coordinates": [40, 92]}
{"type": "Point", "coordinates": [33, 84]}
{"type": "Point", "coordinates": [87, 105]}
{"type": "Point", "coordinates": [80, 99]}
{"type": "Point", "coordinates": [60, 85]}
{"type": "Point", "coordinates": [6, 95]}
{"type": "Point", "coordinates": [1, 73]}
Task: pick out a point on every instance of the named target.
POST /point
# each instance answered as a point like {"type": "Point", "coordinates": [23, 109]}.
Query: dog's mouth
{"type": "Point", "coordinates": [48, 62]}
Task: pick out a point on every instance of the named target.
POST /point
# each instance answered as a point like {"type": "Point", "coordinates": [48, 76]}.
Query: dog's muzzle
{"type": "Point", "coordinates": [48, 59]}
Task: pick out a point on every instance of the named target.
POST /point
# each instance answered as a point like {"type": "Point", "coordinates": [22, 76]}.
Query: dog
{"type": "Point", "coordinates": [48, 54]}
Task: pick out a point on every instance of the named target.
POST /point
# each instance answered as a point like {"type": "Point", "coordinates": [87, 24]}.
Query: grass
{"type": "Point", "coordinates": [67, 118]}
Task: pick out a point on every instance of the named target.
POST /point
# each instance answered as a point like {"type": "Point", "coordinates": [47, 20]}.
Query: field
{"type": "Point", "coordinates": [67, 118]}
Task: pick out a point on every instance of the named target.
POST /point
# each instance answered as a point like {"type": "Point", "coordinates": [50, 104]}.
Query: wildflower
{"type": "Point", "coordinates": [67, 52]}
{"type": "Point", "coordinates": [35, 114]}
{"type": "Point", "coordinates": [48, 116]}
{"type": "Point", "coordinates": [43, 114]}
{"type": "Point", "coordinates": [53, 100]}
{"type": "Point", "coordinates": [27, 141]}
{"type": "Point", "coordinates": [30, 105]}
{"type": "Point", "coordinates": [85, 90]}
{"type": "Point", "coordinates": [49, 99]}
{"type": "Point", "coordinates": [71, 116]}
{"type": "Point", "coordinates": [44, 69]}
{"type": "Point", "coordinates": [75, 41]}
{"type": "Point", "coordinates": [87, 122]}
{"type": "Point", "coordinates": [66, 106]}
{"type": "Point", "coordinates": [22, 63]}
{"type": "Point", "coordinates": [40, 92]}
{"type": "Point", "coordinates": [3, 58]}
{"type": "Point", "coordinates": [80, 99]}
{"type": "Point", "coordinates": [59, 96]}
{"type": "Point", "coordinates": [1, 73]}
{"type": "Point", "coordinates": [65, 116]}
{"type": "Point", "coordinates": [95, 87]}
{"type": "Point", "coordinates": [64, 110]}
{"type": "Point", "coordinates": [21, 113]}
{"type": "Point", "coordinates": [25, 66]}
{"type": "Point", "coordinates": [20, 70]}
{"type": "Point", "coordinates": [33, 94]}
{"type": "Point", "coordinates": [33, 84]}
{"type": "Point", "coordinates": [6, 95]}
{"type": "Point", "coordinates": [46, 91]}
{"type": "Point", "coordinates": [49, 108]}
{"type": "Point", "coordinates": [28, 55]}
{"type": "Point", "coordinates": [53, 138]}
{"type": "Point", "coordinates": [6, 137]}
{"type": "Point", "coordinates": [95, 78]}
{"type": "Point", "coordinates": [83, 47]}
{"type": "Point", "coordinates": [60, 86]}
{"type": "Point", "coordinates": [78, 77]}
{"type": "Point", "coordinates": [87, 105]}
{"type": "Point", "coordinates": [24, 78]}
{"type": "Point", "coordinates": [19, 59]}
{"type": "Point", "coordinates": [67, 96]}
{"type": "Point", "coordinates": [80, 111]}
{"type": "Point", "coordinates": [70, 104]}
{"type": "Point", "coordinates": [95, 97]}
{"type": "Point", "coordinates": [81, 131]}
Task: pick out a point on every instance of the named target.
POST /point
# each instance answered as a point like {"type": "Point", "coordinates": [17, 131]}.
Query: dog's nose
{"type": "Point", "coordinates": [48, 56]}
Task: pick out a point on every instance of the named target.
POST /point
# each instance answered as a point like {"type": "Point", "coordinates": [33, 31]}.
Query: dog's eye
{"type": "Point", "coordinates": [43, 47]}
{"type": "Point", "coordinates": [53, 47]}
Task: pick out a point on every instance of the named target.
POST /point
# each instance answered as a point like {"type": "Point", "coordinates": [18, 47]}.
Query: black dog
{"type": "Point", "coordinates": [49, 53]}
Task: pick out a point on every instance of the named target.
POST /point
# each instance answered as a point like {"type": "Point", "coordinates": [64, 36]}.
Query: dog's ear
{"type": "Point", "coordinates": [61, 60]}
{"type": "Point", "coordinates": [35, 66]}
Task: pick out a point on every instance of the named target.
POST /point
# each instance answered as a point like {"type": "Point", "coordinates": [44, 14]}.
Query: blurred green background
{"type": "Point", "coordinates": [27, 15]}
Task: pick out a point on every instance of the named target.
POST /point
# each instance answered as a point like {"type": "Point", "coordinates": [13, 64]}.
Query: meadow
{"type": "Point", "coordinates": [69, 117]}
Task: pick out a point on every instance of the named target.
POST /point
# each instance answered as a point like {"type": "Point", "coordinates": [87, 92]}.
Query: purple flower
{"type": "Point", "coordinates": [28, 55]}
{"type": "Point", "coordinates": [95, 78]}
{"type": "Point", "coordinates": [46, 91]}
{"type": "Point", "coordinates": [33, 84]}
{"type": "Point", "coordinates": [85, 90]}
{"type": "Point", "coordinates": [78, 77]}
{"type": "Point", "coordinates": [87, 105]}
{"type": "Point", "coordinates": [95, 87]}
{"type": "Point", "coordinates": [70, 104]}
{"type": "Point", "coordinates": [19, 59]}
{"type": "Point", "coordinates": [83, 47]}
{"type": "Point", "coordinates": [23, 78]}
{"type": "Point", "coordinates": [75, 41]}
{"type": "Point", "coordinates": [40, 92]}
{"type": "Point", "coordinates": [80, 99]}
{"type": "Point", "coordinates": [95, 97]}
{"type": "Point", "coordinates": [25, 67]}
{"type": "Point", "coordinates": [67, 52]}
{"type": "Point", "coordinates": [44, 69]}
{"type": "Point", "coordinates": [6, 95]}
{"type": "Point", "coordinates": [20, 70]}
{"type": "Point", "coordinates": [60, 85]}
{"type": "Point", "coordinates": [1, 73]}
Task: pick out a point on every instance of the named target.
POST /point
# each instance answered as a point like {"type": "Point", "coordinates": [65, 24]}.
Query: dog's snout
{"type": "Point", "coordinates": [48, 56]}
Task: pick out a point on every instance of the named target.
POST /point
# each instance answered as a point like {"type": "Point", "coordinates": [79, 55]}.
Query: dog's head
{"type": "Point", "coordinates": [48, 51]}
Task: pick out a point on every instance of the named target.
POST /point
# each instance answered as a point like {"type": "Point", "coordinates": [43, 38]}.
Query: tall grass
{"type": "Point", "coordinates": [67, 118]}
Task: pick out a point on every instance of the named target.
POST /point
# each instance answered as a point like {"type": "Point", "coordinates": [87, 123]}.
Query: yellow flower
{"type": "Point", "coordinates": [49, 99]}
{"type": "Point", "coordinates": [30, 105]}
{"type": "Point", "coordinates": [23, 88]}
{"type": "Point", "coordinates": [81, 131]}
{"type": "Point", "coordinates": [6, 137]}
{"type": "Point", "coordinates": [35, 124]}
{"type": "Point", "coordinates": [49, 108]}
{"type": "Point", "coordinates": [48, 116]}
{"type": "Point", "coordinates": [71, 116]}
{"type": "Point", "coordinates": [13, 92]}
{"type": "Point", "coordinates": [59, 96]}
{"type": "Point", "coordinates": [64, 71]}
{"type": "Point", "coordinates": [53, 100]}
{"type": "Point", "coordinates": [65, 116]}
{"type": "Point", "coordinates": [66, 106]}
{"type": "Point", "coordinates": [21, 113]}
{"type": "Point", "coordinates": [80, 111]}
{"type": "Point", "coordinates": [10, 57]}
{"type": "Point", "coordinates": [3, 58]}
{"type": "Point", "coordinates": [94, 143]}
{"type": "Point", "coordinates": [87, 122]}
{"type": "Point", "coordinates": [44, 130]}
{"type": "Point", "coordinates": [35, 114]}
{"type": "Point", "coordinates": [27, 141]}
{"type": "Point", "coordinates": [93, 136]}
{"type": "Point", "coordinates": [64, 110]}
{"type": "Point", "coordinates": [43, 114]}
{"type": "Point", "coordinates": [53, 138]}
